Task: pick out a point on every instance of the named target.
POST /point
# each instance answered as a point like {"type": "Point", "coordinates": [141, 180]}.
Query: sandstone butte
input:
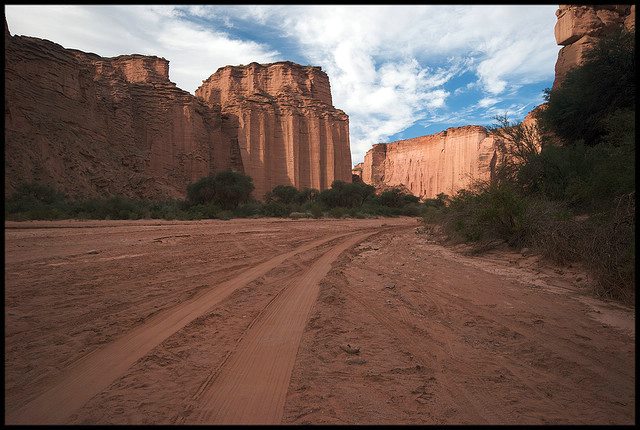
{"type": "Point", "coordinates": [450, 160]}
{"type": "Point", "coordinates": [94, 126]}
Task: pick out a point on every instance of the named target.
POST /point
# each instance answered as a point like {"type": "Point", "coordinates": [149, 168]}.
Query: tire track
{"type": "Point", "coordinates": [97, 370]}
{"type": "Point", "coordinates": [460, 396]}
{"type": "Point", "coordinates": [251, 388]}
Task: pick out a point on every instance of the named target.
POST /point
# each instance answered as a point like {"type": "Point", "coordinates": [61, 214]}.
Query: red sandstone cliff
{"type": "Point", "coordinates": [580, 26]}
{"type": "Point", "coordinates": [287, 130]}
{"type": "Point", "coordinates": [428, 165]}
{"type": "Point", "coordinates": [449, 161]}
{"type": "Point", "coordinates": [89, 125]}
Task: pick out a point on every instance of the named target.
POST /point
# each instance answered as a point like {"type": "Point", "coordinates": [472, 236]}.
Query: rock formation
{"type": "Point", "coordinates": [580, 26]}
{"type": "Point", "coordinates": [94, 126]}
{"type": "Point", "coordinates": [357, 170]}
{"type": "Point", "coordinates": [429, 165]}
{"type": "Point", "coordinates": [450, 160]}
{"type": "Point", "coordinates": [287, 130]}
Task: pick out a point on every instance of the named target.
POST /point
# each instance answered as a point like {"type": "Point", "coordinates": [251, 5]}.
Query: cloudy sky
{"type": "Point", "coordinates": [397, 71]}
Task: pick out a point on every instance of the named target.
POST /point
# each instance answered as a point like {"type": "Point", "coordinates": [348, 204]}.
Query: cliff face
{"type": "Point", "coordinates": [287, 130]}
{"type": "Point", "coordinates": [428, 165]}
{"type": "Point", "coordinates": [580, 26]}
{"type": "Point", "coordinates": [89, 125]}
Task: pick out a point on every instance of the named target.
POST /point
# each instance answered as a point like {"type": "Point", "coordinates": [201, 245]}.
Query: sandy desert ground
{"type": "Point", "coordinates": [301, 321]}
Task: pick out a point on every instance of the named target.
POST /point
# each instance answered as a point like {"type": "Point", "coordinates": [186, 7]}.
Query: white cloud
{"type": "Point", "coordinates": [487, 101]}
{"type": "Point", "coordinates": [388, 64]}
{"type": "Point", "coordinates": [194, 52]}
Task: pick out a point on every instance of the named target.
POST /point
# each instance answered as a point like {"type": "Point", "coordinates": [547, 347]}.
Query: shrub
{"type": "Point", "coordinates": [345, 195]}
{"type": "Point", "coordinates": [282, 194]}
{"type": "Point", "coordinates": [489, 211]}
{"type": "Point", "coordinates": [276, 209]}
{"type": "Point", "coordinates": [316, 210]}
{"type": "Point", "coordinates": [396, 198]}
{"type": "Point", "coordinates": [578, 109]}
{"type": "Point", "coordinates": [225, 215]}
{"type": "Point", "coordinates": [307, 195]}
{"type": "Point", "coordinates": [586, 178]}
{"type": "Point", "coordinates": [439, 202]}
{"type": "Point", "coordinates": [517, 144]}
{"type": "Point", "coordinates": [227, 189]}
{"type": "Point", "coordinates": [248, 210]}
{"type": "Point", "coordinates": [337, 212]}
{"type": "Point", "coordinates": [298, 215]}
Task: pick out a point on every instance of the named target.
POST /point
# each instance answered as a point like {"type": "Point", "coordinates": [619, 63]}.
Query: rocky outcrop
{"type": "Point", "coordinates": [429, 165]}
{"type": "Point", "coordinates": [357, 170]}
{"type": "Point", "coordinates": [89, 125]}
{"type": "Point", "coordinates": [94, 126]}
{"type": "Point", "coordinates": [287, 130]}
{"type": "Point", "coordinates": [580, 26]}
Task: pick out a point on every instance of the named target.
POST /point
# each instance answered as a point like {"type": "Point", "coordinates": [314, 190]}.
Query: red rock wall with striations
{"type": "Point", "coordinates": [104, 126]}
{"type": "Point", "coordinates": [287, 130]}
{"type": "Point", "coordinates": [429, 165]}
{"type": "Point", "coordinates": [94, 126]}
{"type": "Point", "coordinates": [579, 27]}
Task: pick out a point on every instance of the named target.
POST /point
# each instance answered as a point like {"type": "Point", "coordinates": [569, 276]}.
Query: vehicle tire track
{"type": "Point", "coordinates": [97, 370]}
{"type": "Point", "coordinates": [461, 396]}
{"type": "Point", "coordinates": [251, 388]}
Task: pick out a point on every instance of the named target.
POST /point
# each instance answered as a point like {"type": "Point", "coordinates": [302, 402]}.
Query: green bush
{"type": "Point", "coordinates": [440, 201]}
{"type": "Point", "coordinates": [227, 189]}
{"type": "Point", "coordinates": [579, 109]}
{"type": "Point", "coordinates": [225, 215]}
{"type": "Point", "coordinates": [587, 178]}
{"type": "Point", "coordinates": [396, 198]}
{"type": "Point", "coordinates": [285, 194]}
{"type": "Point", "coordinates": [316, 210]}
{"type": "Point", "coordinates": [488, 212]}
{"type": "Point", "coordinates": [343, 195]}
{"type": "Point", "coordinates": [276, 209]}
{"type": "Point", "coordinates": [338, 212]}
{"type": "Point", "coordinates": [248, 210]}
{"type": "Point", "coordinates": [307, 195]}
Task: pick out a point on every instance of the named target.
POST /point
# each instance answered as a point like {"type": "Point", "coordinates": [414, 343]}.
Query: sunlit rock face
{"type": "Point", "coordinates": [91, 126]}
{"type": "Point", "coordinates": [429, 165]}
{"type": "Point", "coordinates": [94, 126]}
{"type": "Point", "coordinates": [287, 129]}
{"type": "Point", "coordinates": [579, 27]}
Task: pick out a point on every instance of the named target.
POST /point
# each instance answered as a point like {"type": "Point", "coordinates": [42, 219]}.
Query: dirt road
{"type": "Point", "coordinates": [306, 321]}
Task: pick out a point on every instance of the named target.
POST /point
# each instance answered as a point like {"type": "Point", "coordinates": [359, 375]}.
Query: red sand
{"type": "Point", "coordinates": [247, 321]}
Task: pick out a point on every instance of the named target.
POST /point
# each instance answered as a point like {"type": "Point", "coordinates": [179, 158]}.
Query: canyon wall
{"type": "Point", "coordinates": [449, 161]}
{"type": "Point", "coordinates": [579, 27]}
{"type": "Point", "coordinates": [428, 165]}
{"type": "Point", "coordinates": [287, 129]}
{"type": "Point", "coordinates": [94, 126]}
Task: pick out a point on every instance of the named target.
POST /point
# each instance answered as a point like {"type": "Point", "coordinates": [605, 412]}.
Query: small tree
{"type": "Point", "coordinates": [307, 195]}
{"type": "Point", "coordinates": [282, 194]}
{"type": "Point", "coordinates": [346, 195]}
{"type": "Point", "coordinates": [517, 144]}
{"type": "Point", "coordinates": [578, 109]}
{"type": "Point", "coordinates": [396, 198]}
{"type": "Point", "coordinates": [227, 189]}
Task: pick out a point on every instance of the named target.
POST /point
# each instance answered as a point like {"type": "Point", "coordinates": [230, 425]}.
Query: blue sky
{"type": "Point", "coordinates": [397, 71]}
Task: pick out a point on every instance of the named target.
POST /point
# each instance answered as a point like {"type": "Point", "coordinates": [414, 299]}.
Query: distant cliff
{"type": "Point", "coordinates": [450, 160]}
{"type": "Point", "coordinates": [94, 126]}
{"type": "Point", "coordinates": [429, 165]}
{"type": "Point", "coordinates": [287, 129]}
